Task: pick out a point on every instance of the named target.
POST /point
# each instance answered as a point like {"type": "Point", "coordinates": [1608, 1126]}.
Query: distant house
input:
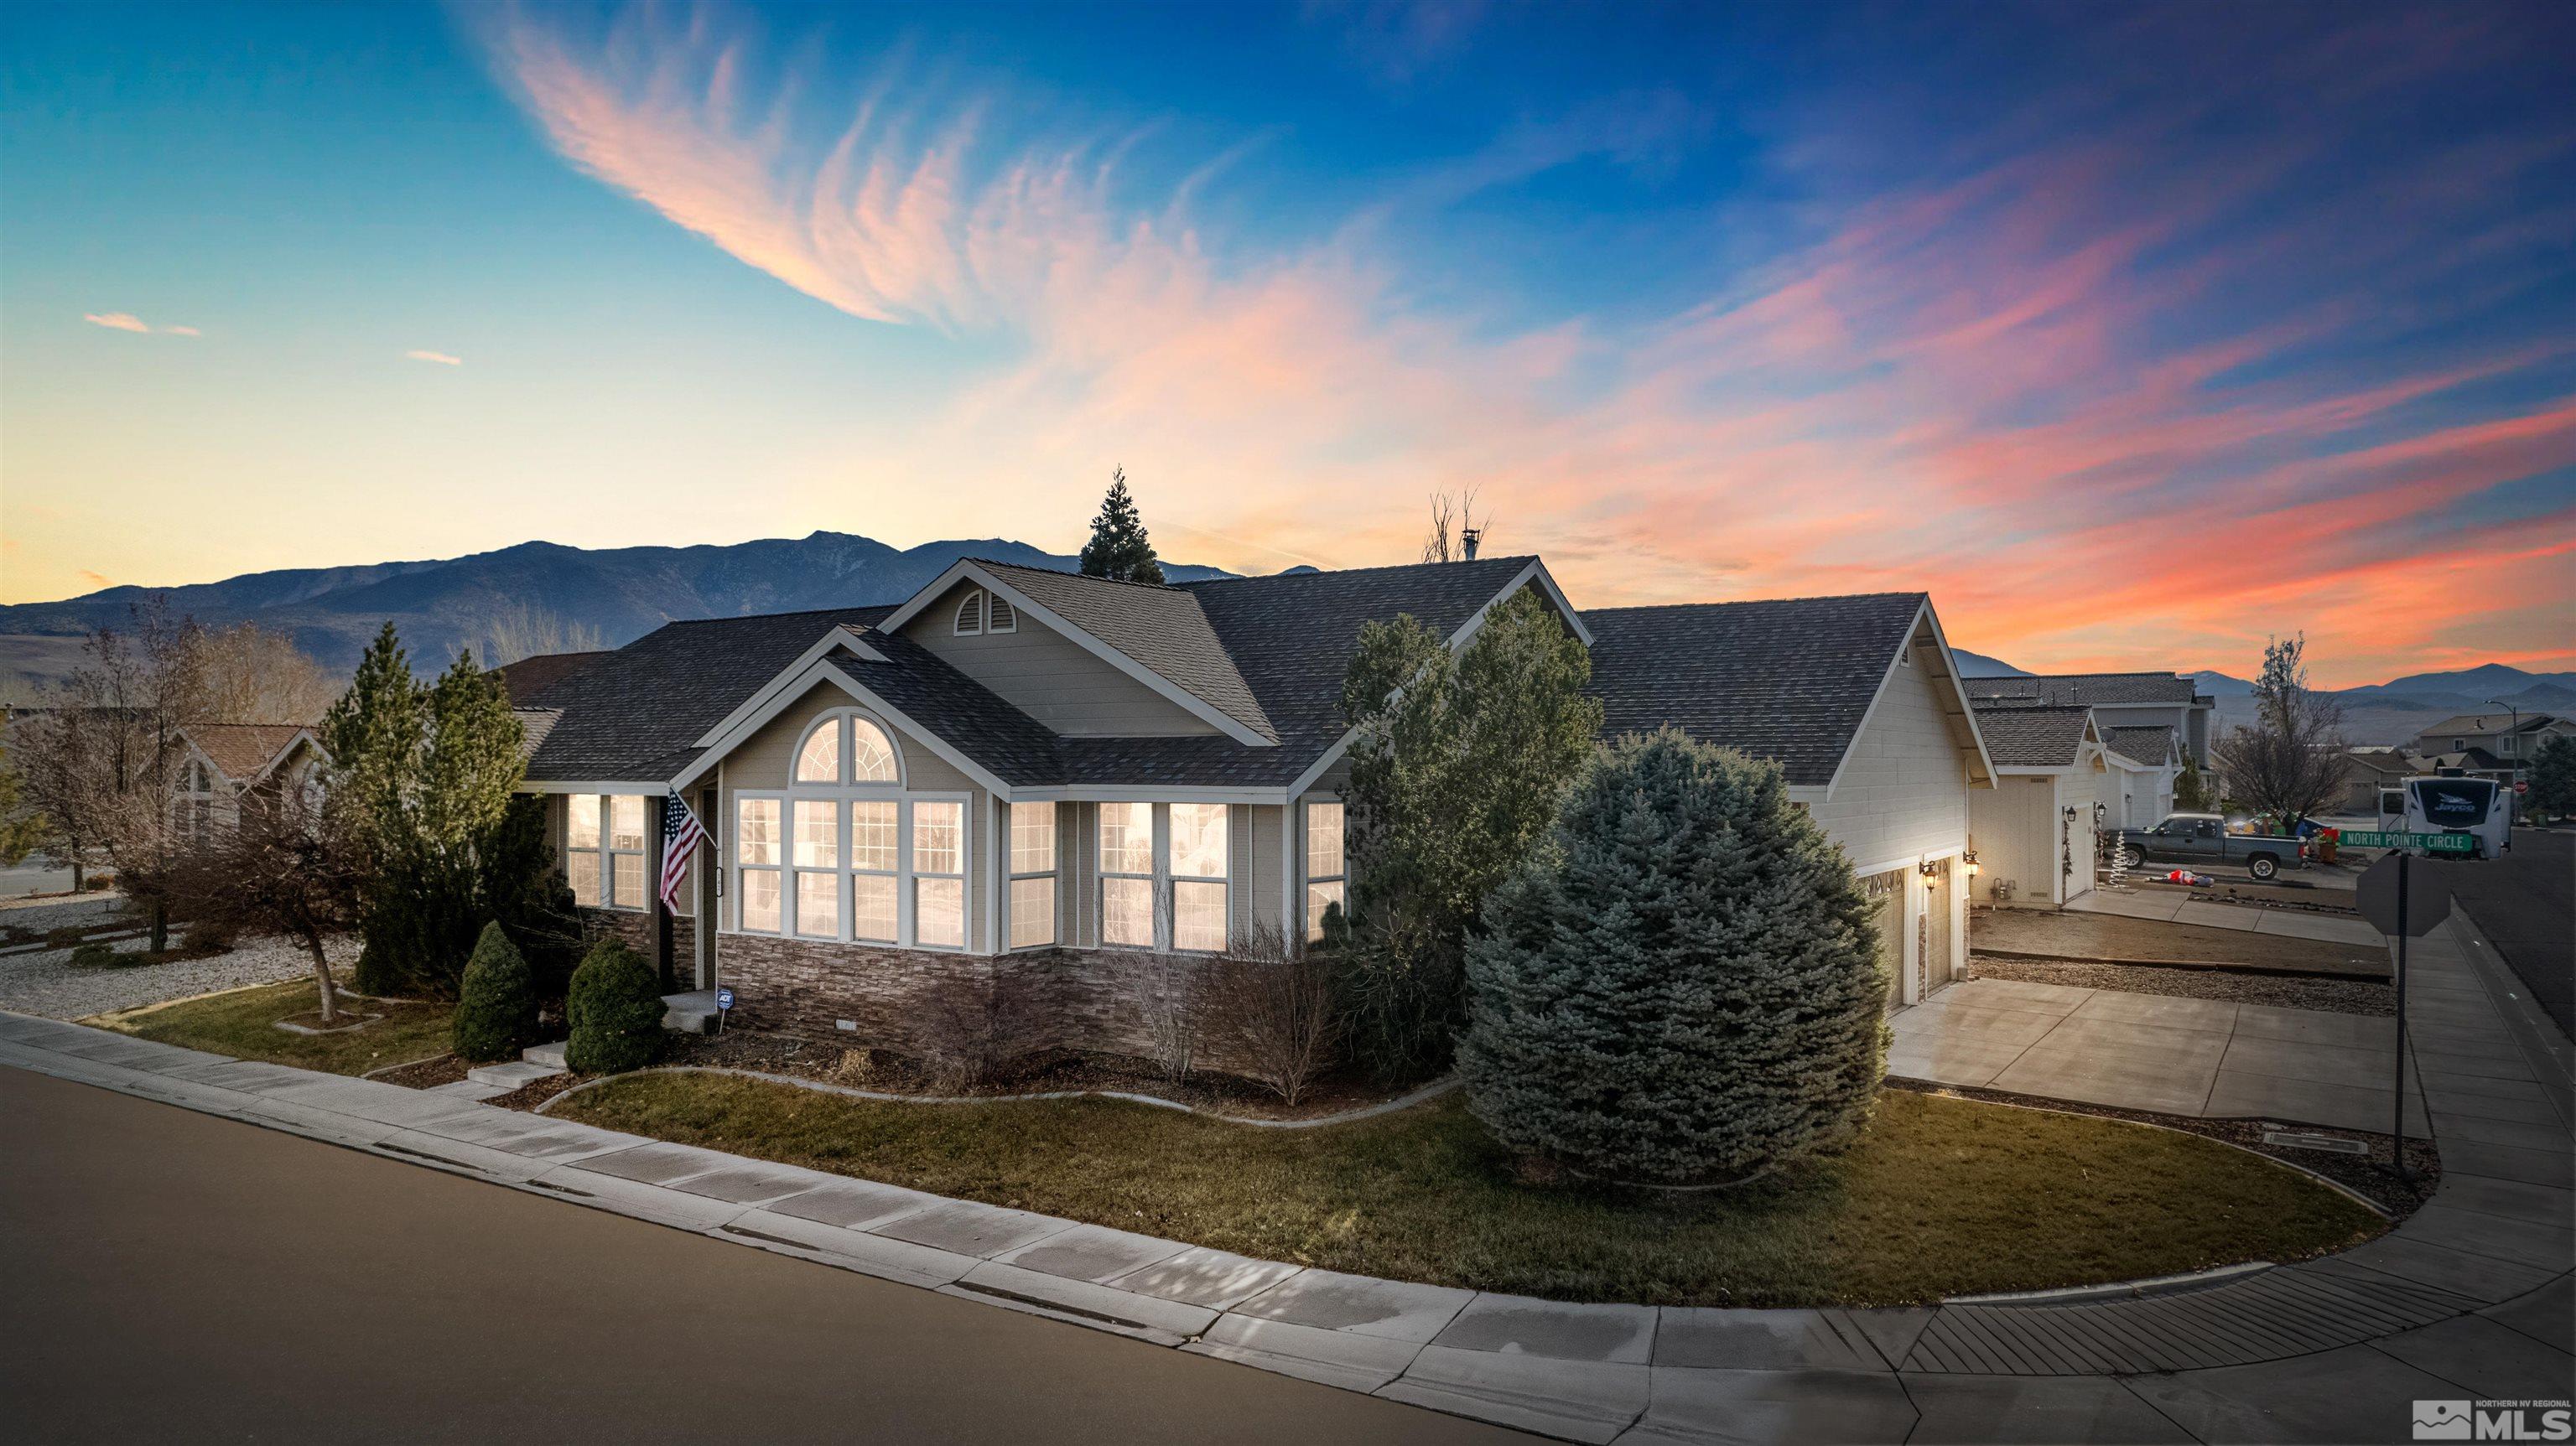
{"type": "Point", "coordinates": [2033, 831]}
{"type": "Point", "coordinates": [226, 767]}
{"type": "Point", "coordinates": [2122, 700]}
{"type": "Point", "coordinates": [2367, 771]}
{"type": "Point", "coordinates": [2491, 745]}
{"type": "Point", "coordinates": [1024, 778]}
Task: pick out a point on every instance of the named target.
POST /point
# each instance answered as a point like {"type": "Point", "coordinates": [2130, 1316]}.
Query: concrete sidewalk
{"type": "Point", "coordinates": [2177, 907]}
{"type": "Point", "coordinates": [2198, 1057]}
{"type": "Point", "coordinates": [2471, 1297]}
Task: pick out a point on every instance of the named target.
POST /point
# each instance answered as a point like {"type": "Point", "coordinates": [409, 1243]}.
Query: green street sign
{"type": "Point", "coordinates": [2431, 843]}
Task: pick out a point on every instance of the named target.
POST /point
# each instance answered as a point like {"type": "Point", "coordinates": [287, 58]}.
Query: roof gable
{"type": "Point", "coordinates": [245, 752]}
{"type": "Point", "coordinates": [2022, 735]}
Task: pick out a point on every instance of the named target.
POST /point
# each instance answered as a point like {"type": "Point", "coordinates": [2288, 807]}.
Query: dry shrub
{"type": "Point", "coordinates": [974, 1025]}
{"type": "Point", "coordinates": [1165, 993]}
{"type": "Point", "coordinates": [1276, 1007]}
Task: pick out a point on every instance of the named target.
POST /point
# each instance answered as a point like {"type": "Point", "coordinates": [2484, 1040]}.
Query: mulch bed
{"type": "Point", "coordinates": [890, 1073]}
{"type": "Point", "coordinates": [2367, 1175]}
{"type": "Point", "coordinates": [429, 1073]}
{"type": "Point", "coordinates": [2339, 996]}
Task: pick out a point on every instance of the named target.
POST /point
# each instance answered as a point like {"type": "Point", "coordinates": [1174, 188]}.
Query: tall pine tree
{"type": "Point", "coordinates": [1119, 549]}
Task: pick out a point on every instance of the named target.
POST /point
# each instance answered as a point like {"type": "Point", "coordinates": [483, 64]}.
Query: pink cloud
{"type": "Point", "coordinates": [115, 320]}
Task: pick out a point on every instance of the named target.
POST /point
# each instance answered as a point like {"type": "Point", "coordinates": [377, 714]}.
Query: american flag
{"type": "Point", "coordinates": [681, 836]}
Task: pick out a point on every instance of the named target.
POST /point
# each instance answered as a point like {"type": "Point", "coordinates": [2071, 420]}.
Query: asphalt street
{"type": "Point", "coordinates": [2526, 904]}
{"type": "Point", "coordinates": [174, 1277]}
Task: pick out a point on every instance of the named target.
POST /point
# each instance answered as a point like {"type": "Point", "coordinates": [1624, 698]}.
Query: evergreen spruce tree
{"type": "Point", "coordinates": [524, 893]}
{"type": "Point", "coordinates": [1119, 549]}
{"type": "Point", "coordinates": [496, 1009]}
{"type": "Point", "coordinates": [373, 734]}
{"type": "Point", "coordinates": [1683, 987]}
{"type": "Point", "coordinates": [616, 1011]}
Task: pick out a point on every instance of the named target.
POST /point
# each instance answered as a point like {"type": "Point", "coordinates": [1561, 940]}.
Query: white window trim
{"type": "Point", "coordinates": [1312, 928]}
{"type": "Point", "coordinates": [906, 888]}
{"type": "Point", "coordinates": [732, 920]}
{"type": "Point", "coordinates": [999, 615]}
{"type": "Point", "coordinates": [1162, 879]}
{"type": "Point", "coordinates": [843, 795]}
{"type": "Point", "coordinates": [959, 625]}
{"type": "Point", "coordinates": [607, 855]}
{"type": "Point", "coordinates": [1006, 843]}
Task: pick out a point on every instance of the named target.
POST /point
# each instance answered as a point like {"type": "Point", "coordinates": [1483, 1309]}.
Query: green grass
{"type": "Point", "coordinates": [1944, 1196]}
{"type": "Point", "coordinates": [242, 1023]}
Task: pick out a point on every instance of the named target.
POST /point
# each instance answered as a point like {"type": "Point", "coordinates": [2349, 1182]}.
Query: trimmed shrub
{"type": "Point", "coordinates": [616, 1011]}
{"type": "Point", "coordinates": [208, 936]}
{"type": "Point", "coordinates": [95, 955]}
{"type": "Point", "coordinates": [496, 1010]}
{"type": "Point", "coordinates": [1684, 986]}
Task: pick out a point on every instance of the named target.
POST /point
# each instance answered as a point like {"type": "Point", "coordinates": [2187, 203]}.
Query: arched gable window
{"type": "Point", "coordinates": [846, 736]}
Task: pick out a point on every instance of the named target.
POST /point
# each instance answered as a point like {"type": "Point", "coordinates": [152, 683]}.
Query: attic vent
{"type": "Point", "coordinates": [970, 615]}
{"type": "Point", "coordinates": [1005, 618]}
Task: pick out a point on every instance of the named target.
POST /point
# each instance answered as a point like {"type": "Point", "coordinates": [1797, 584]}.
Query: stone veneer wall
{"type": "Point", "coordinates": [897, 999]}
{"type": "Point", "coordinates": [635, 927]}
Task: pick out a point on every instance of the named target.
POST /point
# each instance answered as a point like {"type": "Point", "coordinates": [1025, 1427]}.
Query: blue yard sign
{"type": "Point", "coordinates": [724, 996]}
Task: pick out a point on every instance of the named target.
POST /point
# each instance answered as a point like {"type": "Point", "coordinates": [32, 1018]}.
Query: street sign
{"type": "Point", "coordinates": [2398, 900]}
{"type": "Point", "coordinates": [2431, 843]}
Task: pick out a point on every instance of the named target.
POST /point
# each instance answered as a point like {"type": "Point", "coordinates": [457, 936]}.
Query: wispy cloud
{"type": "Point", "coordinates": [439, 357]}
{"type": "Point", "coordinates": [2102, 392]}
{"type": "Point", "coordinates": [115, 320]}
{"type": "Point", "coordinates": [183, 331]}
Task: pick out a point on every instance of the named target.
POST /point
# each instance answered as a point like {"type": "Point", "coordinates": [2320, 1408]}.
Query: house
{"type": "Point", "coordinates": [2368, 771]}
{"type": "Point", "coordinates": [2122, 700]}
{"type": "Point", "coordinates": [2034, 830]}
{"type": "Point", "coordinates": [224, 767]}
{"type": "Point", "coordinates": [1036, 785]}
{"type": "Point", "coordinates": [2497, 745]}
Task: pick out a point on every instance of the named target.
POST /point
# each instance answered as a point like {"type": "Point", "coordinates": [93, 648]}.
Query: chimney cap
{"type": "Point", "coordinates": [1468, 537]}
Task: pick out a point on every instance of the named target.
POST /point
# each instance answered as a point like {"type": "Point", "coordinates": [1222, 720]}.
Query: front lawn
{"type": "Point", "coordinates": [1944, 1197]}
{"type": "Point", "coordinates": [242, 1023]}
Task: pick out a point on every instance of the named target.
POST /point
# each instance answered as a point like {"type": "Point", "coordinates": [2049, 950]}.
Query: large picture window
{"type": "Point", "coordinates": [842, 853]}
{"type": "Point", "coordinates": [1166, 876]}
{"type": "Point", "coordinates": [1127, 875]}
{"type": "Point", "coordinates": [604, 850]}
{"type": "Point", "coordinates": [1327, 872]}
{"type": "Point", "coordinates": [1032, 875]}
{"type": "Point", "coordinates": [1199, 874]}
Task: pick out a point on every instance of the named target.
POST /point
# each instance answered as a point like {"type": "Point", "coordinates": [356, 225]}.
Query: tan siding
{"type": "Point", "coordinates": [2014, 829]}
{"type": "Point", "coordinates": [1262, 878]}
{"type": "Point", "coordinates": [1052, 678]}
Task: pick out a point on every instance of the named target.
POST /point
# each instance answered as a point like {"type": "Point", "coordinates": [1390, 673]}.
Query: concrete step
{"type": "Point", "coordinates": [512, 1075]}
{"type": "Point", "coordinates": [546, 1054]}
{"type": "Point", "coordinates": [690, 1012]}
{"type": "Point", "coordinates": [466, 1089]}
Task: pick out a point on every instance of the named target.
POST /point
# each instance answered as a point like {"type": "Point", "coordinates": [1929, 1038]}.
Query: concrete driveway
{"type": "Point", "coordinates": [2174, 906]}
{"type": "Point", "coordinates": [2173, 1056]}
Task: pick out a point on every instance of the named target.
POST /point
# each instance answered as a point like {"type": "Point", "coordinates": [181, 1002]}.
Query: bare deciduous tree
{"type": "Point", "coordinates": [1275, 1006]}
{"type": "Point", "coordinates": [2289, 762]}
{"type": "Point", "coordinates": [288, 866]}
{"type": "Point", "coordinates": [1455, 528]}
{"type": "Point", "coordinates": [1165, 993]}
{"type": "Point", "coordinates": [253, 674]}
{"type": "Point", "coordinates": [520, 631]}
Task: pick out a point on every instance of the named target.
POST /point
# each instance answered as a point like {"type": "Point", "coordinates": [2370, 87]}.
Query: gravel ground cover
{"type": "Point", "coordinates": [2342, 996]}
{"type": "Point", "coordinates": [48, 983]}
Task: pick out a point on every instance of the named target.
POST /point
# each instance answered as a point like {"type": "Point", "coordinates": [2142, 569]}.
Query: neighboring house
{"type": "Point", "coordinates": [225, 767]}
{"type": "Point", "coordinates": [2121, 700]}
{"type": "Point", "coordinates": [530, 676]}
{"type": "Point", "coordinates": [2034, 830]}
{"type": "Point", "coordinates": [2145, 763]}
{"type": "Point", "coordinates": [2497, 745]}
{"type": "Point", "coordinates": [1013, 793]}
{"type": "Point", "coordinates": [2369, 770]}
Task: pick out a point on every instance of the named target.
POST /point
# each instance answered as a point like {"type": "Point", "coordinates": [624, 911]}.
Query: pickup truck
{"type": "Point", "coordinates": [2201, 839]}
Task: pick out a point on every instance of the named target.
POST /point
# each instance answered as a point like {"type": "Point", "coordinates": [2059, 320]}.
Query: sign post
{"type": "Point", "coordinates": [724, 1004]}
{"type": "Point", "coordinates": [2404, 903]}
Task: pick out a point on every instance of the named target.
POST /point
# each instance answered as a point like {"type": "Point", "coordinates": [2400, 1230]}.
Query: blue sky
{"type": "Point", "coordinates": [2133, 334]}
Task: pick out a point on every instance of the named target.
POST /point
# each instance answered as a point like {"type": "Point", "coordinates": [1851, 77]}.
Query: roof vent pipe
{"type": "Point", "coordinates": [1468, 537]}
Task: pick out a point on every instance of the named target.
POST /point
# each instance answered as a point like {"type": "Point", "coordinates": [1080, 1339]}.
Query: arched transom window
{"type": "Point", "coordinates": [852, 737]}
{"type": "Point", "coordinates": [842, 852]}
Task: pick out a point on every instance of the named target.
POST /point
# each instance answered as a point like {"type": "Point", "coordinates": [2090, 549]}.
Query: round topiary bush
{"type": "Point", "coordinates": [496, 1008]}
{"type": "Point", "coordinates": [1683, 987]}
{"type": "Point", "coordinates": [616, 1011]}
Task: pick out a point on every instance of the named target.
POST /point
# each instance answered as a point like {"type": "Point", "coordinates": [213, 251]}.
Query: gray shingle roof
{"type": "Point", "coordinates": [2021, 734]}
{"type": "Point", "coordinates": [1788, 679]}
{"type": "Point", "coordinates": [962, 712]}
{"type": "Point", "coordinates": [634, 716]}
{"type": "Point", "coordinates": [2088, 688]}
{"type": "Point", "coordinates": [2152, 746]}
{"type": "Point", "coordinates": [1162, 628]}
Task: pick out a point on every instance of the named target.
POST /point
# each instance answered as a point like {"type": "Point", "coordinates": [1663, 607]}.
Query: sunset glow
{"type": "Point", "coordinates": [2132, 344]}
